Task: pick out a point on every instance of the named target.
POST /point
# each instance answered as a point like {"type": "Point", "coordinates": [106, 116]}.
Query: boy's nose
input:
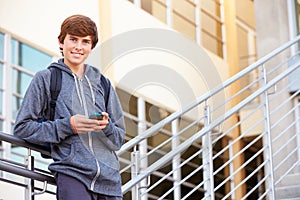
{"type": "Point", "coordinates": [78, 45]}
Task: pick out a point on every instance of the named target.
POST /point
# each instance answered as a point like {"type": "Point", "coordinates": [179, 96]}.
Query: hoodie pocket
{"type": "Point", "coordinates": [109, 173]}
{"type": "Point", "coordinates": [75, 153]}
{"type": "Point", "coordinates": [62, 152]}
{"type": "Point", "coordinates": [81, 157]}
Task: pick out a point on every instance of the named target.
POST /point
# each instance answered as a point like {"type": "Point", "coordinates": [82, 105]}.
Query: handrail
{"type": "Point", "coordinates": [23, 171]}
{"type": "Point", "coordinates": [15, 140]}
{"type": "Point", "coordinates": [166, 158]}
{"type": "Point", "coordinates": [152, 130]}
{"type": "Point", "coordinates": [26, 173]}
{"type": "Point", "coordinates": [196, 136]}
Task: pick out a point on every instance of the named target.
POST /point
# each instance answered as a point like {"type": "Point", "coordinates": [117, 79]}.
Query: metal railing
{"type": "Point", "coordinates": [238, 146]}
{"type": "Point", "coordinates": [26, 169]}
{"type": "Point", "coordinates": [237, 149]}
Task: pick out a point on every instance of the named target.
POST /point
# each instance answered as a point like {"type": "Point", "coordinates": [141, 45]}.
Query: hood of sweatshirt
{"type": "Point", "coordinates": [83, 90]}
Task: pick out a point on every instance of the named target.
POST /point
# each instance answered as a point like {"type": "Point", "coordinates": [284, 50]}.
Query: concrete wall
{"type": "Point", "coordinates": [270, 36]}
{"type": "Point", "coordinates": [175, 69]}
{"type": "Point", "coordinates": [38, 22]}
{"type": "Point", "coordinates": [139, 53]}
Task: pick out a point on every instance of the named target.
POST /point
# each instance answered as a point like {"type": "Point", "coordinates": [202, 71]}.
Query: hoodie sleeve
{"type": "Point", "coordinates": [115, 130]}
{"type": "Point", "coordinates": [33, 108]}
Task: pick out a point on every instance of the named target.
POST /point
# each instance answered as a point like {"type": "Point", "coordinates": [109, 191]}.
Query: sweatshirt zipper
{"type": "Point", "coordinates": [89, 135]}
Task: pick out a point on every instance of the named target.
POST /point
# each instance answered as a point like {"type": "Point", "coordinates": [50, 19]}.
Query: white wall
{"type": "Point", "coordinates": [140, 41]}
{"type": "Point", "coordinates": [39, 21]}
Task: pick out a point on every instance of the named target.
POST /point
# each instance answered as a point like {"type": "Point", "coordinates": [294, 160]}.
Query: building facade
{"type": "Point", "coordinates": [161, 55]}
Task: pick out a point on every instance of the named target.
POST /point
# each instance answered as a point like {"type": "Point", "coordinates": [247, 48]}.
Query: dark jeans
{"type": "Point", "coordinates": [69, 188]}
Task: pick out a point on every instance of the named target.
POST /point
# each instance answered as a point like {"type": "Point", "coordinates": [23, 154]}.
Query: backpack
{"type": "Point", "coordinates": [55, 87]}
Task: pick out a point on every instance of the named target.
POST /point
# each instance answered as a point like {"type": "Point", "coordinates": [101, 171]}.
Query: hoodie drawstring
{"type": "Point", "coordinates": [77, 89]}
{"type": "Point", "coordinates": [91, 89]}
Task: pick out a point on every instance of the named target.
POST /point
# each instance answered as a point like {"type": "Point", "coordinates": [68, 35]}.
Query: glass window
{"type": "Point", "coordinates": [298, 16]}
{"type": "Point", "coordinates": [28, 57]}
{"type": "Point", "coordinates": [21, 82]}
{"type": "Point", "coordinates": [14, 51]}
{"type": "Point", "coordinates": [1, 45]}
{"type": "Point", "coordinates": [1, 89]}
{"type": "Point", "coordinates": [1, 103]}
{"type": "Point", "coordinates": [16, 103]}
{"type": "Point", "coordinates": [1, 75]}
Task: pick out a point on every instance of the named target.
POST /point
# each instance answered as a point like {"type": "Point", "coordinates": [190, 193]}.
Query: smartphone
{"type": "Point", "coordinates": [96, 115]}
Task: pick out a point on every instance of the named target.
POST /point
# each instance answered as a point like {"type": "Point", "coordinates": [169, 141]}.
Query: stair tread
{"type": "Point", "coordinates": [288, 192]}
{"type": "Point", "coordinates": [290, 180]}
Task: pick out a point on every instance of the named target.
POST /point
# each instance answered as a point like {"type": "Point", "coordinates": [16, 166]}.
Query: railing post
{"type": "Point", "coordinates": [231, 169]}
{"type": "Point", "coordinates": [135, 169]}
{"type": "Point", "coordinates": [267, 138]}
{"type": "Point", "coordinates": [208, 177]}
{"type": "Point", "coordinates": [29, 162]}
{"type": "Point", "coordinates": [176, 162]}
{"type": "Point", "coordinates": [297, 118]}
{"type": "Point", "coordinates": [143, 145]}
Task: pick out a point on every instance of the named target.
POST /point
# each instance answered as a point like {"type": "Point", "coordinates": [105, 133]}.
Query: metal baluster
{"type": "Point", "coordinates": [208, 178]}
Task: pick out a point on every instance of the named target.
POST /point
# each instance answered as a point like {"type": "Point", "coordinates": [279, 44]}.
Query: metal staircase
{"type": "Point", "coordinates": [239, 146]}
{"type": "Point", "coordinates": [245, 151]}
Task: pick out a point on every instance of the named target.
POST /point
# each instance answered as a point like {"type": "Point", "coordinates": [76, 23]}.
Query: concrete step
{"type": "Point", "coordinates": [289, 192]}
{"type": "Point", "coordinates": [296, 170]}
{"type": "Point", "coordinates": [290, 180]}
{"type": "Point", "coordinates": [289, 188]}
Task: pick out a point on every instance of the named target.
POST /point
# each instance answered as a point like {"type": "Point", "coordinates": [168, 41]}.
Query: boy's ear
{"type": "Point", "coordinates": [60, 44]}
{"type": "Point", "coordinates": [60, 47]}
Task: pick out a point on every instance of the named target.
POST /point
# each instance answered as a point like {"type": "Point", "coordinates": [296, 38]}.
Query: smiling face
{"type": "Point", "coordinates": [75, 50]}
{"type": "Point", "coordinates": [78, 36]}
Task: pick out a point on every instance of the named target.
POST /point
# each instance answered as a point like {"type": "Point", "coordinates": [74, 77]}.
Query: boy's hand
{"type": "Point", "coordinates": [82, 124]}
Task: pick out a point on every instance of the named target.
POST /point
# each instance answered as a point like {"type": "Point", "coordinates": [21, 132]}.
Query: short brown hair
{"type": "Point", "coordinates": [79, 25]}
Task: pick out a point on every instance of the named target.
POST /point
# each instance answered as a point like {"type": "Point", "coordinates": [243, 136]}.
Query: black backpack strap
{"type": "Point", "coordinates": [106, 86]}
{"type": "Point", "coordinates": [55, 86]}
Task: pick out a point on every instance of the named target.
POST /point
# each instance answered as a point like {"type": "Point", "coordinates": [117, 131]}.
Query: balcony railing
{"type": "Point", "coordinates": [219, 147]}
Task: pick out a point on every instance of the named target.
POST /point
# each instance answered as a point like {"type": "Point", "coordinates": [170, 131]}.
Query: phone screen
{"type": "Point", "coordinates": [97, 116]}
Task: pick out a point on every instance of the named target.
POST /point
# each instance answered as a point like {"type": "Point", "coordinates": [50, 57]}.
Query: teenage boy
{"type": "Point", "coordinates": [83, 149]}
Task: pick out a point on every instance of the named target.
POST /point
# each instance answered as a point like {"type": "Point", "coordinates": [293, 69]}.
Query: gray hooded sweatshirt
{"type": "Point", "coordinates": [88, 157]}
